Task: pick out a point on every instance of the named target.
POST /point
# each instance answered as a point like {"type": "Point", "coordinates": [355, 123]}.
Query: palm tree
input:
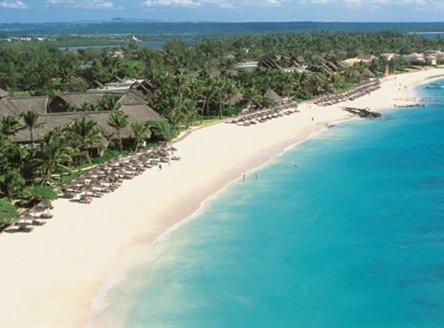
{"type": "Point", "coordinates": [140, 131]}
{"type": "Point", "coordinates": [54, 154]}
{"type": "Point", "coordinates": [86, 135]}
{"type": "Point", "coordinates": [71, 108]}
{"type": "Point", "coordinates": [118, 120]}
{"type": "Point", "coordinates": [190, 112]}
{"type": "Point", "coordinates": [108, 103]}
{"type": "Point", "coordinates": [12, 160]}
{"type": "Point", "coordinates": [89, 107]}
{"type": "Point", "coordinates": [31, 119]}
{"type": "Point", "coordinates": [9, 125]}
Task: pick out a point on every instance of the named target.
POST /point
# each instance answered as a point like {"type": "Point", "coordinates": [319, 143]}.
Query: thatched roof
{"type": "Point", "coordinates": [140, 113]}
{"type": "Point", "coordinates": [131, 98]}
{"type": "Point", "coordinates": [273, 95]}
{"type": "Point", "coordinates": [126, 97]}
{"type": "Point", "coordinates": [367, 74]}
{"type": "Point", "coordinates": [79, 98]}
{"type": "Point", "coordinates": [38, 104]}
{"type": "Point", "coordinates": [3, 93]}
{"type": "Point", "coordinates": [6, 108]}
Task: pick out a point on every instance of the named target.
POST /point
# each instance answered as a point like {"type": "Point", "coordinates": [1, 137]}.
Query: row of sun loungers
{"type": "Point", "coordinates": [35, 216]}
{"type": "Point", "coordinates": [352, 94]}
{"type": "Point", "coordinates": [109, 176]}
{"type": "Point", "coordinates": [261, 116]}
{"type": "Point", "coordinates": [97, 182]}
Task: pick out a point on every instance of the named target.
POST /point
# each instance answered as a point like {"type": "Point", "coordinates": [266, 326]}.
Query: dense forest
{"type": "Point", "coordinates": [42, 68]}
{"type": "Point", "coordinates": [188, 81]}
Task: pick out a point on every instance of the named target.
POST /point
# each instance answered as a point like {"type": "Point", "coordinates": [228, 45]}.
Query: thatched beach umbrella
{"type": "Point", "coordinates": [46, 215]}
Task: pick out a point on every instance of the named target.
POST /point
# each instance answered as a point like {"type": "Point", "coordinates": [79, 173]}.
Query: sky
{"type": "Point", "coordinates": [39, 11]}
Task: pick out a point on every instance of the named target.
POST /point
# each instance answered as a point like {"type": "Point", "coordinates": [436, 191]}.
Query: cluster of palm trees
{"type": "Point", "coordinates": [182, 98]}
{"type": "Point", "coordinates": [58, 151]}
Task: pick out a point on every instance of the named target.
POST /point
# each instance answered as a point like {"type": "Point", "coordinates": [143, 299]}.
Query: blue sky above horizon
{"type": "Point", "coordinates": [29, 11]}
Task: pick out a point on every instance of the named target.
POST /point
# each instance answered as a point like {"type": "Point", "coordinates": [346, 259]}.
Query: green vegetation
{"type": "Point", "coordinates": [37, 194]}
{"type": "Point", "coordinates": [8, 213]}
{"type": "Point", "coordinates": [161, 131]}
{"type": "Point", "coordinates": [187, 83]}
{"type": "Point", "coordinates": [118, 121]}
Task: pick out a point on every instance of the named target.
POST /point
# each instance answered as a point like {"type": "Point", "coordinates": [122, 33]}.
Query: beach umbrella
{"type": "Point", "coordinates": [36, 211]}
{"type": "Point", "coordinates": [41, 206]}
{"type": "Point", "coordinates": [46, 215]}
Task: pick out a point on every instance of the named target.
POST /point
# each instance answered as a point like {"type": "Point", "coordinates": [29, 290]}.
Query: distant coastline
{"type": "Point", "coordinates": [153, 30]}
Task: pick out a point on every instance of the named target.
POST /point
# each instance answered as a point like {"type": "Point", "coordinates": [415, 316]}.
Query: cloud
{"type": "Point", "coordinates": [84, 4]}
{"type": "Point", "coordinates": [374, 4]}
{"type": "Point", "coordinates": [218, 3]}
{"type": "Point", "coordinates": [172, 3]}
{"type": "Point", "coordinates": [13, 5]}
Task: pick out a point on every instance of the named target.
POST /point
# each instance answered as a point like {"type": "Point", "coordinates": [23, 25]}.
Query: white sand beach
{"type": "Point", "coordinates": [48, 277]}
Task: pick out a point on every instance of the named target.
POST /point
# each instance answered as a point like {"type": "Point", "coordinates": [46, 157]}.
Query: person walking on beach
{"type": "Point", "coordinates": [243, 177]}
{"type": "Point", "coordinates": [160, 166]}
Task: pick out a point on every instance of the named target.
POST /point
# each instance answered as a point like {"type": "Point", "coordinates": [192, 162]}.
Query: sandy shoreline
{"type": "Point", "coordinates": [48, 277]}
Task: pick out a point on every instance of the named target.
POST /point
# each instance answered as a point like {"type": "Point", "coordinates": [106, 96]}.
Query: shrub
{"type": "Point", "coordinates": [232, 111]}
{"type": "Point", "coordinates": [161, 131]}
{"type": "Point", "coordinates": [109, 154]}
{"type": "Point", "coordinates": [40, 193]}
{"type": "Point", "coordinates": [8, 213]}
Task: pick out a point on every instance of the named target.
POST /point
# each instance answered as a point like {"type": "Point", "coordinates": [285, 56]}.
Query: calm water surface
{"type": "Point", "coordinates": [351, 237]}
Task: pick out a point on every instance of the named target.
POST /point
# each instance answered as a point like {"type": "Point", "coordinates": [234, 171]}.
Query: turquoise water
{"type": "Point", "coordinates": [351, 237]}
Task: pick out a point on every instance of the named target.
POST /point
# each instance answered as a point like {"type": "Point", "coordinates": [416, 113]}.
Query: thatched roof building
{"type": "Point", "coordinates": [16, 106]}
{"type": "Point", "coordinates": [136, 113]}
{"type": "Point", "coordinates": [60, 103]}
{"type": "Point", "coordinates": [38, 104]}
{"type": "Point", "coordinates": [77, 99]}
{"type": "Point", "coordinates": [53, 114]}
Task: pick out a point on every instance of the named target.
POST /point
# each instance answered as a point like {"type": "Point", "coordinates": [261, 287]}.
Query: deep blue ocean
{"type": "Point", "coordinates": [353, 236]}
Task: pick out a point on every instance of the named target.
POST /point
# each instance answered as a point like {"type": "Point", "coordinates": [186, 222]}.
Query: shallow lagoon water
{"type": "Point", "coordinates": [345, 230]}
